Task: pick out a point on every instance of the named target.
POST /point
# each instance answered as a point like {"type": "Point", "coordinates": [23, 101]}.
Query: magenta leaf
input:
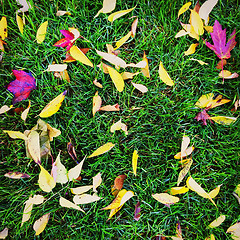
{"type": "Point", "coordinates": [203, 116]}
{"type": "Point", "coordinates": [67, 41]}
{"type": "Point", "coordinates": [137, 211]}
{"type": "Point", "coordinates": [21, 86]}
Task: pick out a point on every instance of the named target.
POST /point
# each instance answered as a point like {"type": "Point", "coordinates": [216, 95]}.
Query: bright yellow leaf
{"type": "Point", "coordinates": [145, 70]}
{"type": "Point", "coordinates": [15, 134]}
{"type": "Point", "coordinates": [97, 102]}
{"type": "Point", "coordinates": [134, 162]}
{"type": "Point", "coordinates": [184, 171]}
{"type": "Point", "coordinates": [45, 180]}
{"type": "Point", "coordinates": [116, 78]}
{"type": "Point", "coordinates": [217, 222]}
{"type": "Point", "coordinates": [108, 6]}
{"type": "Point", "coordinates": [191, 49]}
{"type": "Point", "coordinates": [66, 203]}
{"type": "Point", "coordinates": [33, 146]}
{"type": "Point", "coordinates": [20, 23]}
{"type": "Point", "coordinates": [184, 8]}
{"type": "Point", "coordinates": [214, 192]}
{"type": "Point", "coordinates": [41, 223]}
{"type": "Point", "coordinates": [52, 107]}
{"type": "Point", "coordinates": [103, 149]}
{"type": "Point", "coordinates": [165, 198]}
{"type": "Point", "coordinates": [118, 14]}
{"type": "Point", "coordinates": [120, 42]}
{"type": "Point", "coordinates": [196, 22]}
{"type": "Point", "coordinates": [164, 75]}
{"type": "Point", "coordinates": [77, 54]}
{"type": "Point", "coordinates": [223, 120]}
{"type": "Point", "coordinates": [41, 32]}
{"type": "Point", "coordinates": [3, 28]}
{"type": "Point", "coordinates": [178, 190]}
{"type": "Point", "coordinates": [209, 29]}
{"type": "Point", "coordinates": [211, 237]}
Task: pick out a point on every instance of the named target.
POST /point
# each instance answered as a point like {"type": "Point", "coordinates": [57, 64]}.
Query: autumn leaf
{"type": "Point", "coordinates": [3, 28]}
{"type": "Point", "coordinates": [4, 233]}
{"type": "Point", "coordinates": [5, 108]}
{"type": "Point", "coordinates": [56, 67]}
{"type": "Point", "coordinates": [191, 49]}
{"type": "Point", "coordinates": [103, 149]}
{"type": "Point", "coordinates": [77, 54]}
{"type": "Point", "coordinates": [21, 86]}
{"type": "Point", "coordinates": [145, 70]}
{"type": "Point", "coordinates": [45, 180]}
{"type": "Point", "coordinates": [25, 5]}
{"type": "Point", "coordinates": [74, 172]}
{"type": "Point", "coordinates": [184, 172]}
{"type": "Point", "coordinates": [227, 74]}
{"type": "Point", "coordinates": [211, 237]}
{"type": "Point", "coordinates": [41, 32]}
{"type": "Point", "coordinates": [97, 84]}
{"type": "Point", "coordinates": [33, 146]}
{"type": "Point", "coordinates": [97, 180]}
{"type": "Point", "coordinates": [118, 14]}
{"type": "Point", "coordinates": [196, 22]}
{"type": "Point", "coordinates": [121, 41]}
{"type": "Point", "coordinates": [41, 223]}
{"type": "Point", "coordinates": [214, 192]}
{"type": "Point", "coordinates": [71, 151]}
{"type": "Point", "coordinates": [134, 162]}
{"type": "Point", "coordinates": [178, 190]}
{"type": "Point", "coordinates": [164, 75]}
{"type": "Point", "coordinates": [20, 23]}
{"type": "Point", "coordinates": [61, 13]}
{"type": "Point", "coordinates": [137, 212]}
{"type": "Point", "coordinates": [108, 6]}
{"type": "Point", "coordinates": [81, 190]}
{"type": "Point", "coordinates": [118, 184]}
{"type": "Point", "coordinates": [206, 8]}
{"type": "Point", "coordinates": [119, 126]}
{"type": "Point", "coordinates": [134, 27]}
{"type": "Point", "coordinates": [97, 102]}
{"type": "Point", "coordinates": [217, 222]}
{"type": "Point", "coordinates": [85, 198]}
{"type": "Point", "coordinates": [199, 61]}
{"type": "Point", "coordinates": [165, 198]}
{"type": "Point", "coordinates": [16, 175]}
{"type": "Point", "coordinates": [184, 8]}
{"type": "Point", "coordinates": [235, 231]}
{"type": "Point", "coordinates": [67, 41]}
{"type": "Point", "coordinates": [16, 134]}
{"type": "Point", "coordinates": [128, 75]}
{"type": "Point", "coordinates": [140, 87]}
{"type": "Point", "coordinates": [187, 152]}
{"type": "Point", "coordinates": [66, 203]}
{"type": "Point", "coordinates": [223, 120]}
{"type": "Point", "coordinates": [110, 108]}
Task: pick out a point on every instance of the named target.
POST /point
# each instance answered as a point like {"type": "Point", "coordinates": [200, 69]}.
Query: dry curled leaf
{"type": "Point", "coordinates": [16, 175]}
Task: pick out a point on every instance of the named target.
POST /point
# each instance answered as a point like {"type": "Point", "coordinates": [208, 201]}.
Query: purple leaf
{"type": "Point", "coordinates": [137, 211]}
{"type": "Point", "coordinates": [203, 116]}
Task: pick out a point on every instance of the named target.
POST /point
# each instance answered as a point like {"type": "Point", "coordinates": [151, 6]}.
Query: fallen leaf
{"type": "Point", "coordinates": [134, 27]}
{"type": "Point", "coordinates": [66, 203]}
{"type": "Point", "coordinates": [77, 54]}
{"type": "Point", "coordinates": [97, 102]}
{"type": "Point", "coordinates": [56, 67]}
{"type": "Point", "coordinates": [33, 145]}
{"type": "Point", "coordinates": [214, 192]}
{"type": "Point", "coordinates": [128, 75]}
{"type": "Point", "coordinates": [184, 171]}
{"type": "Point", "coordinates": [164, 75]}
{"type": "Point", "coordinates": [53, 106]}
{"type": "Point", "coordinates": [16, 134]}
{"type": "Point", "coordinates": [118, 14]}
{"type": "Point", "coordinates": [3, 28]}
{"type": "Point", "coordinates": [4, 233]}
{"type": "Point", "coordinates": [217, 222]}
{"type": "Point", "coordinates": [20, 23]}
{"type": "Point", "coordinates": [61, 171]}
{"type": "Point", "coordinates": [137, 211]}
{"type": "Point", "coordinates": [184, 144]}
{"type": "Point", "coordinates": [211, 237]}
{"type": "Point", "coordinates": [145, 70]}
{"type": "Point", "coordinates": [206, 8]}
{"type": "Point", "coordinates": [191, 49]}
{"type": "Point", "coordinates": [120, 42]}
{"type": "Point", "coordinates": [203, 116]}
{"type": "Point", "coordinates": [141, 64]}
{"type": "Point", "coordinates": [85, 198]}
{"type": "Point", "coordinates": [45, 180]}
{"type": "Point", "coordinates": [184, 8]}
{"type": "Point", "coordinates": [103, 67]}
{"type": "Point", "coordinates": [16, 175]}
{"type": "Point", "coordinates": [221, 64]}
{"type": "Point", "coordinates": [187, 152]}
{"type": "Point", "coordinates": [134, 162]}
{"type": "Point", "coordinates": [98, 84]}
{"type": "Point", "coordinates": [181, 33]}
{"type": "Point", "coordinates": [118, 182]}
{"type": "Point", "coordinates": [140, 87]}
{"type": "Point", "coordinates": [52, 132]}
{"type": "Point", "coordinates": [196, 22]}
{"type": "Point", "coordinates": [190, 30]}
{"type": "Point", "coordinates": [103, 149]}
{"type": "Point", "coordinates": [165, 198]}
{"type": "Point", "coordinates": [108, 6]}
{"type": "Point", "coordinates": [235, 231]}
{"type": "Point", "coordinates": [199, 61]}
{"type": "Point", "coordinates": [178, 190]}
{"type": "Point", "coordinates": [97, 180]}
{"type": "Point", "coordinates": [64, 75]}
{"type": "Point", "coordinates": [41, 32]}
{"type": "Point", "coordinates": [223, 120]}
{"type": "Point", "coordinates": [81, 190]}
{"type": "Point", "coordinates": [110, 108]}
{"type": "Point", "coordinates": [25, 5]}
{"type": "Point", "coordinates": [237, 197]}
{"type": "Point", "coordinates": [209, 29]}
{"type": "Point", "coordinates": [119, 126]}
{"type": "Point", "coordinates": [21, 86]}
{"type": "Point", "coordinates": [5, 108]}
{"type": "Point", "coordinates": [227, 74]}
{"type": "Point", "coordinates": [67, 41]}
{"type": "Point", "coordinates": [41, 223]}
{"type": "Point", "coordinates": [25, 112]}
{"type": "Point", "coordinates": [61, 13]}
{"type": "Point", "coordinates": [71, 151]}
{"type": "Point", "coordinates": [74, 172]}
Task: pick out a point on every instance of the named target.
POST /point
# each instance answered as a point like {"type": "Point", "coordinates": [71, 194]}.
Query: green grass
{"type": "Point", "coordinates": [155, 130]}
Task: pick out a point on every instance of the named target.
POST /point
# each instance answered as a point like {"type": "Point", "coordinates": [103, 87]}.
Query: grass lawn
{"type": "Point", "coordinates": [155, 130]}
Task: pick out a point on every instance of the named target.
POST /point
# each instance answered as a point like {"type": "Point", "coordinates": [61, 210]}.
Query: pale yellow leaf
{"type": "Point", "coordinates": [56, 67]}
{"type": "Point", "coordinates": [190, 30]}
{"type": "Point", "coordinates": [52, 107]}
{"type": "Point", "coordinates": [217, 222]}
{"type": "Point", "coordinates": [61, 13]}
{"type": "Point", "coordinates": [187, 152]}
{"type": "Point", "coordinates": [98, 84]}
{"type": "Point", "coordinates": [25, 5]}
{"type": "Point", "coordinates": [45, 180]}
{"type": "Point", "coordinates": [97, 102]}
{"type": "Point", "coordinates": [223, 120]}
{"type": "Point", "coordinates": [41, 32]}
{"type": "Point", "coordinates": [185, 143]}
{"type": "Point", "coordinates": [121, 41]}
{"type": "Point", "coordinates": [227, 74]}
{"type": "Point", "coordinates": [215, 191]}
{"type": "Point", "coordinates": [27, 212]}
{"type": "Point", "coordinates": [114, 211]}
{"type": "Point", "coordinates": [5, 108]}
{"type": "Point", "coordinates": [97, 180]}
{"type": "Point", "coordinates": [178, 190]}
{"type": "Point", "coordinates": [77, 54]}
{"type": "Point", "coordinates": [25, 112]}
{"type": "Point", "coordinates": [184, 171]}
{"type": "Point", "coordinates": [41, 223]}
{"type": "Point", "coordinates": [134, 27]}
{"type": "Point", "coordinates": [184, 8]}
{"type": "Point", "coordinates": [119, 126]}
{"type": "Point", "coordinates": [117, 61]}
{"type": "Point", "coordinates": [74, 172]}
{"type": "Point", "coordinates": [110, 48]}
{"type": "Point", "coordinates": [165, 198]}
{"type": "Point", "coordinates": [16, 134]}
{"type": "Point", "coordinates": [20, 23]}
{"type": "Point", "coordinates": [85, 198]}
{"type": "Point", "coordinates": [61, 171]}
{"type": "Point", "coordinates": [16, 175]}
{"type": "Point", "coordinates": [68, 204]}
{"type": "Point", "coordinates": [145, 70]}
{"type": "Point", "coordinates": [75, 32]}
{"type": "Point", "coordinates": [118, 14]}
{"type": "Point", "coordinates": [3, 28]}
{"type": "Point", "coordinates": [164, 75]}
{"type": "Point", "coordinates": [116, 78]}
{"type": "Point", "coordinates": [206, 8]}
{"type": "Point", "coordinates": [191, 49]}
{"type": "Point", "coordinates": [103, 149]}
{"type": "Point", "coordinates": [134, 162]}
{"type": "Point", "coordinates": [141, 64]}
{"type": "Point", "coordinates": [196, 22]}
{"type": "Point", "coordinates": [110, 108]}
{"type": "Point", "coordinates": [33, 145]}
{"type": "Point", "coordinates": [128, 75]}
{"type": "Point", "coordinates": [4, 233]}
{"type": "Point", "coordinates": [235, 231]}
{"type": "Point", "coordinates": [140, 87]}
{"type": "Point", "coordinates": [103, 67]}
{"type": "Point", "coordinates": [52, 132]}
{"type": "Point", "coordinates": [199, 61]}
{"type": "Point", "coordinates": [108, 6]}
{"type": "Point", "coordinates": [81, 190]}
{"type": "Point", "coordinates": [181, 33]}
{"type": "Point", "coordinates": [36, 199]}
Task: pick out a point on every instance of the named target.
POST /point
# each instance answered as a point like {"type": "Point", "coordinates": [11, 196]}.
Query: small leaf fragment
{"type": "Point", "coordinates": [164, 75]}
{"type": "Point", "coordinates": [16, 134]}
{"type": "Point", "coordinates": [178, 190]}
{"type": "Point", "coordinates": [137, 211]}
{"type": "Point", "coordinates": [184, 172]}
{"type": "Point", "coordinates": [45, 180]}
{"type": "Point", "coordinates": [119, 126]}
{"type": "Point", "coordinates": [68, 204]}
{"type": "Point", "coordinates": [71, 151]}
{"type": "Point", "coordinates": [110, 108]}
{"type": "Point", "coordinates": [41, 223]}
{"type": "Point", "coordinates": [227, 74]}
{"type": "Point", "coordinates": [3, 28]}
{"type": "Point", "coordinates": [98, 84]}
{"type": "Point", "coordinates": [56, 67]}
{"type": "Point", "coordinates": [191, 49]}
{"type": "Point", "coordinates": [103, 149]}
{"type": "Point", "coordinates": [217, 222]}
{"type": "Point", "coordinates": [108, 6]}
{"type": "Point", "coordinates": [41, 32]}
{"type": "Point", "coordinates": [121, 41]}
{"type": "Point", "coordinates": [145, 70]}
{"type": "Point", "coordinates": [199, 61]}
{"type": "Point", "coordinates": [215, 191]}
{"type": "Point", "coordinates": [134, 27]}
{"type": "Point", "coordinates": [25, 112]}
{"type": "Point", "coordinates": [4, 109]}
{"type": "Point", "coordinates": [134, 162]}
{"type": "Point", "coordinates": [165, 198]}
{"type": "Point", "coordinates": [97, 102]}
{"type": "Point", "coordinates": [187, 152]}
{"type": "Point", "coordinates": [118, 14]}
{"type": "Point", "coordinates": [4, 233]}
{"type": "Point", "coordinates": [184, 8]}
{"type": "Point", "coordinates": [61, 13]}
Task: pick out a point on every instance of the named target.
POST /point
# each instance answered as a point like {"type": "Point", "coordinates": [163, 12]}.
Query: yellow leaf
{"type": "Point", "coordinates": [196, 22]}
{"type": "Point", "coordinates": [61, 171]}
{"type": "Point", "coordinates": [184, 162]}
{"type": "Point", "coordinates": [184, 172]}
{"type": "Point", "coordinates": [116, 78]}
{"type": "Point", "coordinates": [3, 28]}
{"type": "Point", "coordinates": [97, 102]}
{"type": "Point", "coordinates": [164, 75]}
{"type": "Point", "coordinates": [165, 198]}
{"type": "Point", "coordinates": [217, 222]}
{"type": "Point", "coordinates": [20, 23]}
{"type": "Point", "coordinates": [235, 231]}
{"type": "Point", "coordinates": [74, 172]}
{"type": "Point", "coordinates": [187, 152]}
{"type": "Point", "coordinates": [190, 31]}
{"type": "Point", "coordinates": [185, 143]}
{"type": "Point", "coordinates": [41, 223]}
{"type": "Point", "coordinates": [81, 190]}
{"type": "Point", "coordinates": [214, 192]}
{"type": "Point", "coordinates": [5, 108]}
{"type": "Point", "coordinates": [108, 6]}
{"type": "Point", "coordinates": [211, 237]}
{"type": "Point", "coordinates": [145, 70]}
{"type": "Point", "coordinates": [66, 203]}
{"type": "Point", "coordinates": [194, 186]}
{"type": "Point", "coordinates": [61, 13]}
{"type": "Point", "coordinates": [184, 8]}
{"type": "Point", "coordinates": [181, 33]}
{"type": "Point", "coordinates": [209, 29]}
{"type": "Point", "coordinates": [178, 190]}
{"type": "Point", "coordinates": [45, 180]}
{"type": "Point", "coordinates": [56, 67]}
{"type": "Point", "coordinates": [103, 149]}
{"type": "Point", "coordinates": [227, 74]}
{"type": "Point", "coordinates": [223, 120]}
{"type": "Point", "coordinates": [77, 54]}
{"type": "Point", "coordinates": [85, 198]}
{"type": "Point", "coordinates": [119, 126]}
{"type": "Point", "coordinates": [4, 233]}
{"type": "Point", "coordinates": [120, 42]}
{"type": "Point", "coordinates": [52, 132]}
{"type": "Point", "coordinates": [16, 134]}
{"type": "Point", "coordinates": [97, 180]}
{"type": "Point", "coordinates": [41, 32]}
{"type": "Point", "coordinates": [134, 162]}
{"type": "Point", "coordinates": [33, 145]}
{"type": "Point", "coordinates": [206, 8]}
{"type": "Point", "coordinates": [128, 75]}
{"type": "Point", "coordinates": [114, 211]}
{"type": "Point", "coordinates": [25, 112]}
{"type": "Point", "coordinates": [118, 14]}
{"type": "Point", "coordinates": [141, 64]}
{"type": "Point", "coordinates": [140, 87]}
{"type": "Point", "coordinates": [117, 61]}
{"type": "Point", "coordinates": [199, 61]}
{"type": "Point", "coordinates": [134, 27]}
{"type": "Point", "coordinates": [191, 49]}
{"type": "Point", "coordinates": [110, 108]}
{"type": "Point", "coordinates": [52, 107]}
{"type": "Point", "coordinates": [98, 84]}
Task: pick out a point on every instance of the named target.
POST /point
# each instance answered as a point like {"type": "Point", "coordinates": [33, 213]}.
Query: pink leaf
{"type": "Point", "coordinates": [137, 211]}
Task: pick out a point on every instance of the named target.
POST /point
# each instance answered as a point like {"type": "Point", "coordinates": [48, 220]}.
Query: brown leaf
{"type": "Point", "coordinates": [71, 151]}
{"type": "Point", "coordinates": [219, 65]}
{"type": "Point", "coordinates": [16, 175]}
{"type": "Point", "coordinates": [118, 182]}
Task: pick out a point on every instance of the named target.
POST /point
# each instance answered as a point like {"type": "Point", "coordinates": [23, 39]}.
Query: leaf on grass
{"type": "Point", "coordinates": [178, 190]}
{"type": "Point", "coordinates": [16, 134]}
{"type": "Point", "coordinates": [25, 5]}
{"type": "Point", "coordinates": [118, 182]}
{"type": "Point", "coordinates": [119, 126]}
{"type": "Point", "coordinates": [190, 30]}
{"type": "Point", "coordinates": [110, 108]}
{"type": "Point", "coordinates": [108, 6]}
{"type": "Point", "coordinates": [77, 54]}
{"type": "Point", "coordinates": [5, 108]}
{"type": "Point", "coordinates": [194, 186]}
{"type": "Point", "coordinates": [118, 14]}
{"type": "Point", "coordinates": [221, 64]}
{"type": "Point", "coordinates": [199, 61]}
{"type": "Point", "coordinates": [52, 132]}
{"type": "Point", "coordinates": [56, 67]}
{"type": "Point", "coordinates": [187, 152]}
{"type": "Point", "coordinates": [20, 23]}
{"type": "Point", "coordinates": [98, 84]}
{"type": "Point", "coordinates": [134, 162]}
{"type": "Point", "coordinates": [217, 222]}
{"type": "Point", "coordinates": [16, 175]}
{"type": "Point", "coordinates": [97, 102]}
{"type": "Point", "coordinates": [61, 13]}
{"type": "Point", "coordinates": [191, 49]}
{"type": "Point", "coordinates": [41, 32]}
{"type": "Point", "coordinates": [53, 106]}
{"type": "Point", "coordinates": [181, 33]}
{"type": "Point", "coordinates": [4, 233]}
{"type": "Point", "coordinates": [196, 22]}
{"type": "Point", "coordinates": [97, 180]}
{"type": "Point", "coordinates": [85, 198]}
{"type": "Point", "coordinates": [71, 151]}
{"type": "Point", "coordinates": [63, 75]}
{"type": "Point", "coordinates": [223, 120]}
{"type": "Point", "coordinates": [134, 27]}
{"type": "Point", "coordinates": [128, 75]}
{"type": "Point", "coordinates": [235, 231]}
{"type": "Point", "coordinates": [41, 223]}
{"type": "Point", "coordinates": [184, 144]}
{"type": "Point", "coordinates": [227, 74]}
{"type": "Point", "coordinates": [3, 28]}
{"type": "Point", "coordinates": [121, 41]}
{"type": "Point", "coordinates": [25, 112]}
{"type": "Point", "coordinates": [184, 171]}
{"type": "Point", "coordinates": [61, 171]}
{"type": "Point", "coordinates": [206, 8]}
{"type": "Point", "coordinates": [209, 29]}
{"type": "Point", "coordinates": [145, 70]}
{"type": "Point", "coordinates": [211, 237]}
{"type": "Point", "coordinates": [164, 75]}
{"type": "Point", "coordinates": [103, 149]}
{"type": "Point", "coordinates": [33, 145]}
{"type": "Point", "coordinates": [215, 191]}
{"type": "Point", "coordinates": [165, 198]}
{"type": "Point", "coordinates": [81, 190]}
{"type": "Point", "coordinates": [184, 8]}
{"type": "Point", "coordinates": [45, 180]}
{"type": "Point", "coordinates": [22, 85]}
{"type": "Point", "coordinates": [68, 204]}
{"type": "Point", "coordinates": [74, 172]}
{"type": "Point", "coordinates": [140, 87]}
{"type": "Point", "coordinates": [137, 211]}
{"type": "Point", "coordinates": [141, 64]}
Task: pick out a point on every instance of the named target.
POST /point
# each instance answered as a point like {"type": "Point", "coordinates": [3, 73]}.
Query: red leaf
{"type": "Point", "coordinates": [21, 86]}
{"type": "Point", "coordinates": [67, 41]}
{"type": "Point", "coordinates": [203, 116]}
{"type": "Point", "coordinates": [220, 47]}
